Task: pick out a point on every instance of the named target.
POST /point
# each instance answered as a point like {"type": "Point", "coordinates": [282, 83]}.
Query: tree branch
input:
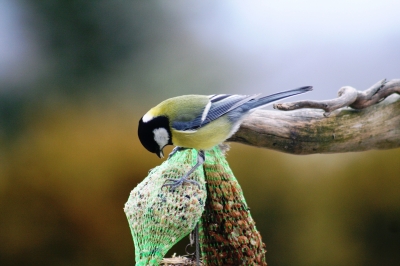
{"type": "Point", "coordinates": [371, 123]}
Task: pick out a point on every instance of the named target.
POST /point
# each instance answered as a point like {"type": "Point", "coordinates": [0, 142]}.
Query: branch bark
{"type": "Point", "coordinates": [355, 121]}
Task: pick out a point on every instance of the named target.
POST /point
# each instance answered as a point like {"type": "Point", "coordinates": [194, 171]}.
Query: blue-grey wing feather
{"type": "Point", "coordinates": [187, 125]}
{"type": "Point", "coordinates": [225, 105]}
{"type": "Point", "coordinates": [221, 104]}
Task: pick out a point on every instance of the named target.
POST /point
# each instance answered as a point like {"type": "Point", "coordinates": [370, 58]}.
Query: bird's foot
{"type": "Point", "coordinates": [174, 183]}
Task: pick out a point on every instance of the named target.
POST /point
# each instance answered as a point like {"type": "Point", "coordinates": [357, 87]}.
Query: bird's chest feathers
{"type": "Point", "coordinates": [203, 138]}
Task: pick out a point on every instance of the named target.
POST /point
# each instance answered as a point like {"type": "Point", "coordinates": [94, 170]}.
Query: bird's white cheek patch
{"type": "Point", "coordinates": [147, 117]}
{"type": "Point", "coordinates": [161, 136]}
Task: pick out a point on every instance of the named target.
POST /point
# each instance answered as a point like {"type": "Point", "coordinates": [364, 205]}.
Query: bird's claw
{"type": "Point", "coordinates": [174, 183]}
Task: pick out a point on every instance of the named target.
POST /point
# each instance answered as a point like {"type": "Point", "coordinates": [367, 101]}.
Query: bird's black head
{"type": "Point", "coordinates": [155, 134]}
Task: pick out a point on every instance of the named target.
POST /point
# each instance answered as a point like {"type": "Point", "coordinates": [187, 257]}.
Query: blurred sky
{"type": "Point", "coordinates": [265, 46]}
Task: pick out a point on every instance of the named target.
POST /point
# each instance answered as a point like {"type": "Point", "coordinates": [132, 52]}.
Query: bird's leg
{"type": "Point", "coordinates": [197, 241]}
{"type": "Point", "coordinates": [174, 183]}
{"type": "Point", "coordinates": [175, 150]}
{"type": "Point", "coordinates": [194, 240]}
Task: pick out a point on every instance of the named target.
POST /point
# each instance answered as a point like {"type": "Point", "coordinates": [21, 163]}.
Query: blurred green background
{"type": "Point", "coordinates": [76, 76]}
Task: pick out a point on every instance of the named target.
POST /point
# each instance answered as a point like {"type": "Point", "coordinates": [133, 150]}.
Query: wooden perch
{"type": "Point", "coordinates": [355, 121]}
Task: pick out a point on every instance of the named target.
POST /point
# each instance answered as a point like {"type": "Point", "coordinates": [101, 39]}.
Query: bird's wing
{"type": "Point", "coordinates": [219, 105]}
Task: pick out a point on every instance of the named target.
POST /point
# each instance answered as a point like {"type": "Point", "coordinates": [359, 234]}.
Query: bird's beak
{"type": "Point", "coordinates": [160, 154]}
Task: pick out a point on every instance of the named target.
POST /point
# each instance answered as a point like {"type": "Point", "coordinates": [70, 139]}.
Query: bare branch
{"type": "Point", "coordinates": [347, 95]}
{"type": "Point", "coordinates": [375, 125]}
{"type": "Point", "coordinates": [376, 93]}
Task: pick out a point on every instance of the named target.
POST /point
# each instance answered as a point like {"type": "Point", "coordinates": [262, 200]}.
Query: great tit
{"type": "Point", "coordinates": [200, 122]}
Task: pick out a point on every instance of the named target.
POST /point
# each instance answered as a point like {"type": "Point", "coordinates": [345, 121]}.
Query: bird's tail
{"type": "Point", "coordinates": [262, 101]}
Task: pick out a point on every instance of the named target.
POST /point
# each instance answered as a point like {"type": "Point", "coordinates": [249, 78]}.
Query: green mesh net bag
{"type": "Point", "coordinates": [160, 217]}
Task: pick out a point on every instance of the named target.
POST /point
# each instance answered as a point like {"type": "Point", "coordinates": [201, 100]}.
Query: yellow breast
{"type": "Point", "coordinates": [205, 137]}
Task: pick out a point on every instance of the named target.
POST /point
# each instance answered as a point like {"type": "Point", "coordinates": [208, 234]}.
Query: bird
{"type": "Point", "coordinates": [200, 122]}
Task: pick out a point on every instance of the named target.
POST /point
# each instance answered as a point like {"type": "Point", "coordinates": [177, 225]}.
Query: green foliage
{"type": "Point", "coordinates": [85, 40]}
